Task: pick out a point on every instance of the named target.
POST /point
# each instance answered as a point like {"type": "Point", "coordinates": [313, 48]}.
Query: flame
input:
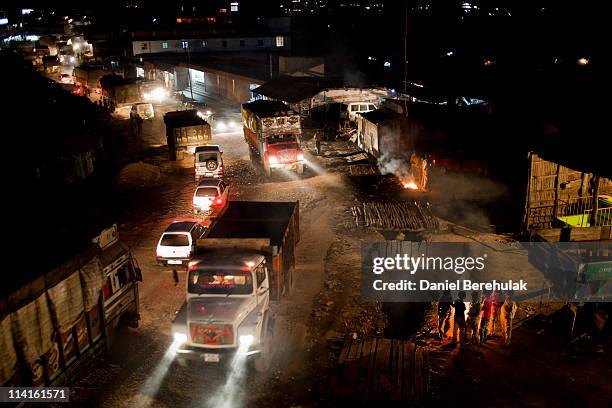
{"type": "Point", "coordinates": [411, 185]}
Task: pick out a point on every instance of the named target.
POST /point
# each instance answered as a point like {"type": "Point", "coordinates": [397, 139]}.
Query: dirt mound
{"type": "Point", "coordinates": [137, 176]}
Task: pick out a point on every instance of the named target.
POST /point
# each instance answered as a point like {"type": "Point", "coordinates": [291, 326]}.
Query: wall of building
{"type": "Point", "coordinates": [218, 83]}
{"type": "Point", "coordinates": [279, 43]}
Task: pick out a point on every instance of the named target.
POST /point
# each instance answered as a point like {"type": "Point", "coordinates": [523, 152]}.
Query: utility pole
{"type": "Point", "coordinates": [188, 67]}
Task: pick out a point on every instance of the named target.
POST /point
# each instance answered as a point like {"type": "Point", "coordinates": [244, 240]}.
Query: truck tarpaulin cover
{"type": "Point", "coordinates": [67, 301]}
{"type": "Point", "coordinates": [34, 329]}
{"type": "Point", "coordinates": [8, 356]}
{"type": "Point", "coordinates": [92, 280]}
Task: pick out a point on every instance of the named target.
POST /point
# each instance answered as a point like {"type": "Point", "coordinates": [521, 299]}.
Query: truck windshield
{"type": "Point", "coordinates": [206, 192]}
{"type": "Point", "coordinates": [220, 282]}
{"type": "Point", "coordinates": [281, 138]}
{"type": "Point", "coordinates": [175, 240]}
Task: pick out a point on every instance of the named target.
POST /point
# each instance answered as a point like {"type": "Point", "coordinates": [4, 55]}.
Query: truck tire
{"type": "Point", "coordinates": [300, 168]}
{"type": "Point", "coordinates": [211, 165]}
{"type": "Point", "coordinates": [263, 361]}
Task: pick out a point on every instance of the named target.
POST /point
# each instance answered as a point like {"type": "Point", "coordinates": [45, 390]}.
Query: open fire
{"type": "Point", "coordinates": [411, 185]}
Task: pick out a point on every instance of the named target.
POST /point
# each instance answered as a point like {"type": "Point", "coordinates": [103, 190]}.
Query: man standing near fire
{"type": "Point", "coordinates": [508, 310]}
{"type": "Point", "coordinates": [459, 319]}
{"type": "Point", "coordinates": [473, 321]}
{"type": "Point", "coordinates": [487, 311]}
{"type": "Point", "coordinates": [444, 308]}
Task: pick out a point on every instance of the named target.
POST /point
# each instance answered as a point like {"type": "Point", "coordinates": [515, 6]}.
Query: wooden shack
{"type": "Point", "coordinates": [559, 196]}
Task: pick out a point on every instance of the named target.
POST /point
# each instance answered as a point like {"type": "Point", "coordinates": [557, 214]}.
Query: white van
{"type": "Point", "coordinates": [355, 108]}
{"type": "Point", "coordinates": [177, 243]}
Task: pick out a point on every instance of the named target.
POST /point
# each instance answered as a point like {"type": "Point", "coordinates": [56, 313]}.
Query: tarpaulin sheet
{"type": "Point", "coordinates": [34, 328]}
{"type": "Point", "coordinates": [92, 280]}
{"type": "Point", "coordinates": [8, 356]}
{"type": "Point", "coordinates": [67, 301]}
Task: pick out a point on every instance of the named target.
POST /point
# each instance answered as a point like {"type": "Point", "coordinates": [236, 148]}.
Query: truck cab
{"type": "Point", "coordinates": [226, 312]}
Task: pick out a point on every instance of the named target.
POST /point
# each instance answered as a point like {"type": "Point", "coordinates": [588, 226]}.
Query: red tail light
{"type": "Point", "coordinates": [219, 201]}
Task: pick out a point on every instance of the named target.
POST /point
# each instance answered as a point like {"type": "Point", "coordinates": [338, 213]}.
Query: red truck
{"type": "Point", "coordinates": [272, 130]}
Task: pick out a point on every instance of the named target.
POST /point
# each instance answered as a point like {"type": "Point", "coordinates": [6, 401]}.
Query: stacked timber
{"type": "Point", "coordinates": [401, 216]}
{"type": "Point", "coordinates": [361, 170]}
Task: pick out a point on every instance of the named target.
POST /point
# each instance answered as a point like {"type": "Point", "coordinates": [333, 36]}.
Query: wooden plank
{"type": "Point", "coordinates": [418, 372]}
{"type": "Point", "coordinates": [585, 234]}
{"type": "Point", "coordinates": [367, 352]}
{"type": "Point", "coordinates": [351, 371]}
{"type": "Point", "coordinates": [371, 374]}
{"type": "Point", "coordinates": [425, 372]}
{"type": "Point", "coordinates": [408, 371]}
{"type": "Point", "coordinates": [395, 370]}
{"type": "Point", "coordinates": [381, 370]}
{"type": "Point", "coordinates": [345, 350]}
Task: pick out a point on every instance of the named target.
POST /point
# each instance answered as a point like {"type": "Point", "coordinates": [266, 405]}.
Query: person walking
{"type": "Point", "coordinates": [508, 310]}
{"type": "Point", "coordinates": [473, 321]}
{"type": "Point", "coordinates": [444, 307]}
{"type": "Point", "coordinates": [317, 140]}
{"type": "Point", "coordinates": [487, 311]}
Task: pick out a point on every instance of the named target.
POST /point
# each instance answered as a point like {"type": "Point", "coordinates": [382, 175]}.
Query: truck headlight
{"type": "Point", "coordinates": [180, 338]}
{"type": "Point", "coordinates": [246, 340]}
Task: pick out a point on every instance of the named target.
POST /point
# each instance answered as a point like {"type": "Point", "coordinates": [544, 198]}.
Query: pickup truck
{"type": "Point", "coordinates": [272, 131]}
{"type": "Point", "coordinates": [245, 259]}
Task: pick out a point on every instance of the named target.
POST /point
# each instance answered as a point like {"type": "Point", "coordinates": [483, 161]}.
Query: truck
{"type": "Point", "coordinates": [118, 92]}
{"type": "Point", "coordinates": [60, 321]}
{"type": "Point", "coordinates": [246, 258]}
{"type": "Point", "coordinates": [186, 130]}
{"type": "Point", "coordinates": [88, 77]}
{"type": "Point", "coordinates": [272, 130]}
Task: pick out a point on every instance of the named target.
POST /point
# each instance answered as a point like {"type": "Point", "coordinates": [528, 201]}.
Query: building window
{"type": "Point", "coordinates": [242, 43]}
{"type": "Point", "coordinates": [234, 6]}
{"type": "Point", "coordinates": [185, 44]}
{"type": "Point", "coordinates": [280, 41]}
{"type": "Point", "coordinates": [260, 43]}
{"type": "Point", "coordinates": [165, 45]}
{"type": "Point", "coordinates": [224, 43]}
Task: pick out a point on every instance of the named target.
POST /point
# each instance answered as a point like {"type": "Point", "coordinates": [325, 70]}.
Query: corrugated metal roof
{"type": "Point", "coordinates": [265, 109]}
{"type": "Point", "coordinates": [295, 89]}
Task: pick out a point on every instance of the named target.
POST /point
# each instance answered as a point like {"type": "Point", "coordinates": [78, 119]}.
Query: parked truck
{"type": "Point", "coordinates": [54, 326]}
{"type": "Point", "coordinates": [186, 130]}
{"type": "Point", "coordinates": [272, 131]}
{"type": "Point", "coordinates": [246, 258]}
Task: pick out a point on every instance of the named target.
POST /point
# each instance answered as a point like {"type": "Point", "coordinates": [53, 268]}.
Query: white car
{"type": "Point", "coordinates": [208, 162]}
{"type": "Point", "coordinates": [177, 243]}
{"type": "Point", "coordinates": [210, 197]}
{"type": "Point", "coordinates": [355, 108]}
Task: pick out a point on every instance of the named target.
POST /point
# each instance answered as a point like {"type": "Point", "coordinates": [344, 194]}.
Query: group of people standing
{"type": "Point", "coordinates": [489, 308]}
